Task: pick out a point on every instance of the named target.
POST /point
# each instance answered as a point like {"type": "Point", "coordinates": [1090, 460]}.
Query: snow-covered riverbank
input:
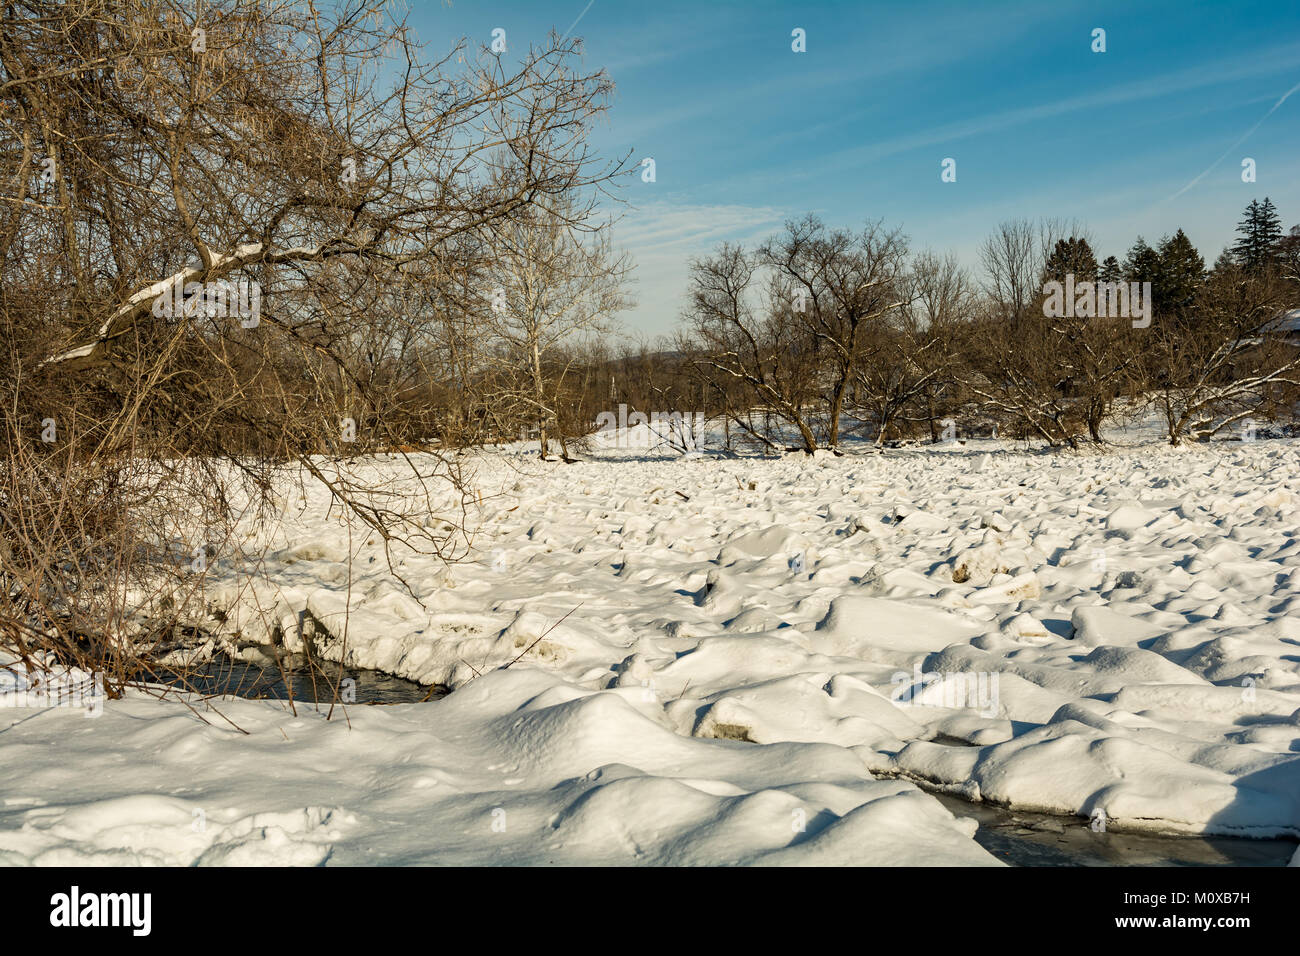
{"type": "Point", "coordinates": [759, 657]}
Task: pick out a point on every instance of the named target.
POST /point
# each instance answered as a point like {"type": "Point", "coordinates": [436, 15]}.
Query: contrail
{"type": "Point", "coordinates": [575, 22]}
{"type": "Point", "coordinates": [1236, 144]}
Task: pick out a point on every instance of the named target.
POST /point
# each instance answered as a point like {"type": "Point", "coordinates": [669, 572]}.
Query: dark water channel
{"type": "Point", "coordinates": [1039, 839]}
{"type": "Point", "coordinates": [294, 677]}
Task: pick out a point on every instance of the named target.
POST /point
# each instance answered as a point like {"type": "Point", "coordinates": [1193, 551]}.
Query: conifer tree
{"type": "Point", "coordinates": [1261, 234]}
{"type": "Point", "coordinates": [1142, 264]}
{"type": "Point", "coordinates": [1071, 256]}
{"type": "Point", "coordinates": [1181, 272]}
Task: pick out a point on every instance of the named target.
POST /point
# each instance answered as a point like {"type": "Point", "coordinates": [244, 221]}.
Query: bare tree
{"type": "Point", "coordinates": [155, 166]}
{"type": "Point", "coordinates": [1054, 378]}
{"type": "Point", "coordinates": [1234, 363]}
{"type": "Point", "coordinates": [752, 339]}
{"type": "Point", "coordinates": [1013, 258]}
{"type": "Point", "coordinates": [909, 367]}
{"type": "Point", "coordinates": [838, 284]}
{"type": "Point", "coordinates": [554, 280]}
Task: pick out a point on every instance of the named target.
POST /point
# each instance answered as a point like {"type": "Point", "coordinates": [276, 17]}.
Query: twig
{"type": "Point", "coordinates": [542, 635]}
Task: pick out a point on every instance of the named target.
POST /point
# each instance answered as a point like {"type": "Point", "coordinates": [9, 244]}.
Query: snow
{"type": "Point", "coordinates": [764, 660]}
{"type": "Point", "coordinates": [1288, 322]}
{"type": "Point", "coordinates": [519, 766]}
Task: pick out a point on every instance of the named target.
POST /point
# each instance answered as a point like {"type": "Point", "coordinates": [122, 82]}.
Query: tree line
{"type": "Point", "coordinates": [821, 335]}
{"type": "Point", "coordinates": [831, 331]}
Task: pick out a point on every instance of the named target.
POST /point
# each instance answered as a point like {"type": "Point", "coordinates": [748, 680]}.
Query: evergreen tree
{"type": "Point", "coordinates": [1261, 232]}
{"type": "Point", "coordinates": [1110, 270]}
{"type": "Point", "coordinates": [1071, 256]}
{"type": "Point", "coordinates": [1181, 272]}
{"type": "Point", "coordinates": [1225, 262]}
{"type": "Point", "coordinates": [1142, 264]}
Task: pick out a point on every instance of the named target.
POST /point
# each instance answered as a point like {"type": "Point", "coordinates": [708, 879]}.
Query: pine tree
{"type": "Point", "coordinates": [1142, 264]}
{"type": "Point", "coordinates": [1110, 270]}
{"type": "Point", "coordinates": [1071, 256]}
{"type": "Point", "coordinates": [1261, 232]}
{"type": "Point", "coordinates": [1181, 272]}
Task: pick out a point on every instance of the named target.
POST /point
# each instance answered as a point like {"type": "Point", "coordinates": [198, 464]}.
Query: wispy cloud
{"type": "Point", "coordinates": [1178, 81]}
{"type": "Point", "coordinates": [669, 227]}
{"type": "Point", "coordinates": [911, 46]}
{"type": "Point", "coordinates": [663, 236]}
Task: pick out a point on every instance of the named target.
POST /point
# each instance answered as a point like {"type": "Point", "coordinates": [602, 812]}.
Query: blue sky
{"type": "Point", "coordinates": [1141, 139]}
